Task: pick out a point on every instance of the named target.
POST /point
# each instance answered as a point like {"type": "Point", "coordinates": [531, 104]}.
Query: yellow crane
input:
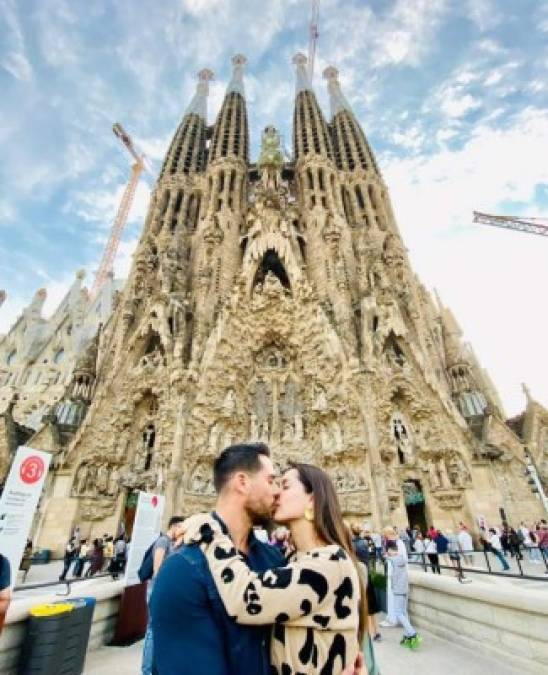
{"type": "Point", "coordinates": [520, 223]}
{"type": "Point", "coordinates": [109, 254]}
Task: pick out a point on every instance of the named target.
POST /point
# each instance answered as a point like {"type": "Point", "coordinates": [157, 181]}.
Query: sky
{"type": "Point", "coordinates": [452, 94]}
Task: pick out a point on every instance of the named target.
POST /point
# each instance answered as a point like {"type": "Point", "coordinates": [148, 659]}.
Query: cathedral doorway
{"type": "Point", "coordinates": [129, 512]}
{"type": "Point", "coordinates": [414, 504]}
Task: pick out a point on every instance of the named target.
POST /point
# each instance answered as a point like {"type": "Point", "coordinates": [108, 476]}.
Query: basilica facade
{"type": "Point", "coordinates": [274, 300]}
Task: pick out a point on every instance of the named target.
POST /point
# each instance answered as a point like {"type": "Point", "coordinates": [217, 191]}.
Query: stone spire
{"type": "Point", "coordinates": [231, 134]}
{"type": "Point", "coordinates": [302, 82]}
{"type": "Point", "coordinates": [352, 150]}
{"type": "Point", "coordinates": [187, 152]}
{"type": "Point", "coordinates": [310, 134]}
{"type": "Point", "coordinates": [236, 84]}
{"type": "Point", "coordinates": [198, 105]}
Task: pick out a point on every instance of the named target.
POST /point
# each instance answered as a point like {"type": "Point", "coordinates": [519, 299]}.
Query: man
{"type": "Point", "coordinates": [5, 590]}
{"type": "Point", "coordinates": [496, 548]}
{"type": "Point", "coordinates": [360, 547]}
{"type": "Point", "coordinates": [466, 544]}
{"type": "Point", "coordinates": [69, 557]}
{"type": "Point", "coordinates": [193, 634]}
{"type": "Point", "coordinates": [160, 550]}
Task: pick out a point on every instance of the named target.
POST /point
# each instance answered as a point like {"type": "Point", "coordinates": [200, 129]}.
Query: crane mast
{"type": "Point", "coordinates": [520, 224]}
{"type": "Point", "coordinates": [313, 37]}
{"type": "Point", "coordinates": [109, 254]}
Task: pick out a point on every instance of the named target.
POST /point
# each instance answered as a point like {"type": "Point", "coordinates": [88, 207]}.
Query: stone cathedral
{"type": "Point", "coordinates": [274, 301]}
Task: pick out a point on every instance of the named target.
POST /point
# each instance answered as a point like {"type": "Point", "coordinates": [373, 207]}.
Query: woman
{"type": "Point", "coordinates": [96, 558]}
{"type": "Point", "coordinates": [317, 602]}
{"type": "Point", "coordinates": [432, 552]}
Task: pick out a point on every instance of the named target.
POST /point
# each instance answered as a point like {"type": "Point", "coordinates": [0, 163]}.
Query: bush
{"type": "Point", "coordinates": [378, 580]}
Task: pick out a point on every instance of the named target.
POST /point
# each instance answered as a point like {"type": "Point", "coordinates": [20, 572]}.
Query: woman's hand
{"type": "Point", "coordinates": [357, 669]}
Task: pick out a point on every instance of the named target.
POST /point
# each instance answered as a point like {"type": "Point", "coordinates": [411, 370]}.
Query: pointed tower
{"type": "Point", "coordinates": [216, 254]}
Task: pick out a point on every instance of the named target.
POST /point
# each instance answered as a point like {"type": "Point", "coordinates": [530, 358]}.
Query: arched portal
{"type": "Point", "coordinates": [271, 263]}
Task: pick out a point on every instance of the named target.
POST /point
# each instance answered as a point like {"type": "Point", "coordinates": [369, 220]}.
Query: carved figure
{"type": "Point", "coordinates": [102, 479]}
{"type": "Point", "coordinates": [113, 482]}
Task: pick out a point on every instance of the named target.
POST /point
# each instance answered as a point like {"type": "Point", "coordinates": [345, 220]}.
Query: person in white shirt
{"type": "Point", "coordinates": [432, 552]}
{"type": "Point", "coordinates": [466, 545]}
{"type": "Point", "coordinates": [391, 621]}
{"type": "Point", "coordinates": [496, 548]}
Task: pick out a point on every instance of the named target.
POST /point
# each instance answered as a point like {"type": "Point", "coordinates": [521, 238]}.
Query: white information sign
{"type": "Point", "coordinates": [146, 528]}
{"type": "Point", "coordinates": [18, 503]}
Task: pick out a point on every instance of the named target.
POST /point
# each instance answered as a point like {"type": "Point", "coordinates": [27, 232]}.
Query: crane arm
{"type": "Point", "coordinates": [313, 37]}
{"type": "Point", "coordinates": [521, 224]}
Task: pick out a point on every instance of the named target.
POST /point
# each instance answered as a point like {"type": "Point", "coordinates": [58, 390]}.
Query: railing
{"type": "Point", "coordinates": [422, 560]}
{"type": "Point", "coordinates": [61, 582]}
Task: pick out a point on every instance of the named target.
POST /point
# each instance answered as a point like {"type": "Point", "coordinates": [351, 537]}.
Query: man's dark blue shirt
{"type": "Point", "coordinates": [193, 634]}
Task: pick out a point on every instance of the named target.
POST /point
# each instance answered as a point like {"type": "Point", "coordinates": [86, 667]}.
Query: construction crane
{"type": "Point", "coordinates": [530, 225]}
{"type": "Point", "coordinates": [313, 37]}
{"type": "Point", "coordinates": [109, 254]}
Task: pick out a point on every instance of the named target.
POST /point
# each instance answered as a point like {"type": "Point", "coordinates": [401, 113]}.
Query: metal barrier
{"type": "Point", "coordinates": [65, 582]}
{"type": "Point", "coordinates": [422, 560]}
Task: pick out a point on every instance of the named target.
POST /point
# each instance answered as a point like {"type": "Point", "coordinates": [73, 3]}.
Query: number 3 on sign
{"type": "Point", "coordinates": [32, 469]}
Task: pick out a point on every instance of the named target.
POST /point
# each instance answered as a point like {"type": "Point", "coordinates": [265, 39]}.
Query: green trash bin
{"type": "Point", "coordinates": [77, 636]}
{"type": "Point", "coordinates": [44, 645]}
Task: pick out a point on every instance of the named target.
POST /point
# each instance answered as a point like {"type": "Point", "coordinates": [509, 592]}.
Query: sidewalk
{"type": "Point", "coordinates": [433, 657]}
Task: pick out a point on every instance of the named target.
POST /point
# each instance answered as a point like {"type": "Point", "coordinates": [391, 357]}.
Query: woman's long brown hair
{"type": "Point", "coordinates": [330, 525]}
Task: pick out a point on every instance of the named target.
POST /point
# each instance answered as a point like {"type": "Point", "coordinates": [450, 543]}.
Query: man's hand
{"type": "Point", "coordinates": [357, 669]}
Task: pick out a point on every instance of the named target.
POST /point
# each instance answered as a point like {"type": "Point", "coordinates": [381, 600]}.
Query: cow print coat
{"type": "Point", "coordinates": [312, 602]}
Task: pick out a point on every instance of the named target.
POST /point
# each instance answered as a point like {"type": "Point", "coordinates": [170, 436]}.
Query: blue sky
{"type": "Point", "coordinates": [453, 95]}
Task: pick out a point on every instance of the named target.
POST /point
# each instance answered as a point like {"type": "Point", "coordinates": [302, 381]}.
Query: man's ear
{"type": "Point", "coordinates": [240, 482]}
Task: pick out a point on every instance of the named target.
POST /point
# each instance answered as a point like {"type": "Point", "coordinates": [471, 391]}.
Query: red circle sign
{"type": "Point", "coordinates": [154, 501]}
{"type": "Point", "coordinates": [32, 469]}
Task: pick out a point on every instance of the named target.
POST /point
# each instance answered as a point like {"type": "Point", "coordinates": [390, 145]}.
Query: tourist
{"type": "Point", "coordinates": [360, 546]}
{"type": "Point", "coordinates": [280, 539]}
{"type": "Point", "coordinates": [81, 558]}
{"type": "Point", "coordinates": [442, 547]}
{"type": "Point", "coordinates": [530, 543]}
{"type": "Point", "coordinates": [543, 542]}
{"type": "Point", "coordinates": [120, 556]}
{"type": "Point", "coordinates": [377, 541]}
{"type": "Point", "coordinates": [108, 552]}
{"type": "Point", "coordinates": [400, 588]}
{"type": "Point", "coordinates": [505, 539]}
{"type": "Point", "coordinates": [432, 533]}
{"type": "Point", "coordinates": [5, 589]}
{"type": "Point", "coordinates": [419, 548]}
{"type": "Point", "coordinates": [390, 534]}
{"type": "Point", "coordinates": [515, 540]}
{"type": "Point", "coordinates": [431, 551]}
{"type": "Point", "coordinates": [303, 598]}
{"type": "Point", "coordinates": [69, 556]}
{"type": "Point", "coordinates": [158, 553]}
{"type": "Point", "coordinates": [96, 558]}
{"type": "Point", "coordinates": [496, 548]}
{"type": "Point", "coordinates": [453, 550]}
{"type": "Point", "coordinates": [466, 544]}
{"type": "Point", "coordinates": [194, 634]}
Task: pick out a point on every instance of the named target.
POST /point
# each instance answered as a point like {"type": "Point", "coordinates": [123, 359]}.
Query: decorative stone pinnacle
{"type": "Point", "coordinates": [236, 84]}
{"type": "Point", "coordinates": [80, 275]}
{"type": "Point", "coordinates": [299, 59]}
{"type": "Point", "coordinates": [331, 74]}
{"type": "Point", "coordinates": [206, 75]}
{"type": "Point", "coordinates": [239, 60]}
{"type": "Point", "coordinates": [303, 81]}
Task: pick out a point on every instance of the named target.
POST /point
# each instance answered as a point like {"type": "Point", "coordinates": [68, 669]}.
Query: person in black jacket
{"type": "Point", "coordinates": [360, 545]}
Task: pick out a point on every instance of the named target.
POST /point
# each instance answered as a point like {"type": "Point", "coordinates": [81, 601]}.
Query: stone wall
{"type": "Point", "coordinates": [493, 616]}
{"type": "Point", "coordinates": [102, 629]}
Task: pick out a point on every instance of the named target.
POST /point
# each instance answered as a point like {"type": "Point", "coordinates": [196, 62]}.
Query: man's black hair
{"type": "Point", "coordinates": [174, 520]}
{"type": "Point", "coordinates": [238, 457]}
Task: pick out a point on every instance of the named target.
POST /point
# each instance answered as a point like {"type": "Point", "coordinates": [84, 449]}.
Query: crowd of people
{"type": "Point", "coordinates": [87, 558]}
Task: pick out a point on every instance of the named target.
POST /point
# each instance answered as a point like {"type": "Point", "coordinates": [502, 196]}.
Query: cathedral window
{"type": "Point", "coordinates": [59, 356]}
{"type": "Point", "coordinates": [310, 179]}
{"type": "Point", "coordinates": [11, 357]}
{"type": "Point", "coordinates": [221, 181]}
{"type": "Point", "coordinates": [271, 263]}
{"type": "Point", "coordinates": [321, 180]}
{"type": "Point", "coordinates": [372, 198]}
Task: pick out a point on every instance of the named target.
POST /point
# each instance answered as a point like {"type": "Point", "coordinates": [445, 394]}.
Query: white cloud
{"type": "Point", "coordinates": [13, 57]}
{"type": "Point", "coordinates": [490, 278]}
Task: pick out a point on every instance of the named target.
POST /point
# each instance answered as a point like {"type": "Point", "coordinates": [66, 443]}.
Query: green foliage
{"type": "Point", "coordinates": [378, 580]}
